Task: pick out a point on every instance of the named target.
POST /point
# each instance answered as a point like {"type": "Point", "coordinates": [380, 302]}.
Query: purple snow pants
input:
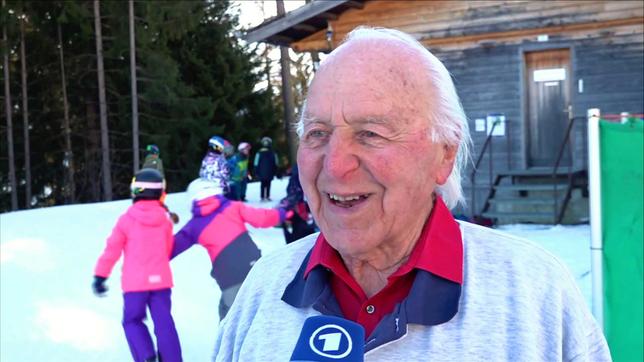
{"type": "Point", "coordinates": [136, 332]}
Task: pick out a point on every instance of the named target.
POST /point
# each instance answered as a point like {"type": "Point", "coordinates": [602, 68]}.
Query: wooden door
{"type": "Point", "coordinates": [547, 86]}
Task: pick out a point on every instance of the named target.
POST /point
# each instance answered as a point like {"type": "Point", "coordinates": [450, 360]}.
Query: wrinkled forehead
{"type": "Point", "coordinates": [377, 64]}
{"type": "Point", "coordinates": [371, 78]}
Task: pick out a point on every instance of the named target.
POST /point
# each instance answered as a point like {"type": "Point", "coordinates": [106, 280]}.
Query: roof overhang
{"type": "Point", "coordinates": [301, 22]}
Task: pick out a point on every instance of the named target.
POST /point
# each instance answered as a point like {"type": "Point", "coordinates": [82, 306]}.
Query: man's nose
{"type": "Point", "coordinates": [341, 158]}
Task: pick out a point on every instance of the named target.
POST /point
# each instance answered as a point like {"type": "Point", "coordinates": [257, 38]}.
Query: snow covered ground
{"type": "Point", "coordinates": [47, 256]}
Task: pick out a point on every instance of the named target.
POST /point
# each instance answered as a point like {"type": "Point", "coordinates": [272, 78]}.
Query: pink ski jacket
{"type": "Point", "coordinates": [144, 235]}
{"type": "Point", "coordinates": [219, 225]}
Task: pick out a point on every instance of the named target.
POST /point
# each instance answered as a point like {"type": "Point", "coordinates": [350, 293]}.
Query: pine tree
{"type": "Point", "coordinates": [25, 108]}
{"type": "Point", "coordinates": [69, 186]}
{"type": "Point", "coordinates": [194, 79]}
{"type": "Point", "coordinates": [216, 65]}
{"type": "Point", "coordinates": [102, 104]}
{"type": "Point", "coordinates": [13, 184]}
{"type": "Point", "coordinates": [135, 96]}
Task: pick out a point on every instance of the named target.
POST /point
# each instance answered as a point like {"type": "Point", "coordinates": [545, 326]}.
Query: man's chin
{"type": "Point", "coordinates": [358, 220]}
{"type": "Point", "coordinates": [351, 243]}
{"type": "Point", "coordinates": [346, 228]}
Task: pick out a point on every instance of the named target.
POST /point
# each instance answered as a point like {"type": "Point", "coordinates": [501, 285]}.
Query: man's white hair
{"type": "Point", "coordinates": [448, 121]}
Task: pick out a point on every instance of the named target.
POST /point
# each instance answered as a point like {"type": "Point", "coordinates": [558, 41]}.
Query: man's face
{"type": "Point", "coordinates": [367, 163]}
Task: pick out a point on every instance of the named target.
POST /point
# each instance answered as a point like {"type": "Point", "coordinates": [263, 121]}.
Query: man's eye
{"type": "Point", "coordinates": [315, 137]}
{"type": "Point", "coordinates": [369, 134]}
{"type": "Point", "coordinates": [316, 133]}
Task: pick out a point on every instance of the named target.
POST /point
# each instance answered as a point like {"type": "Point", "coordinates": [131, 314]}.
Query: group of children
{"type": "Point", "coordinates": [265, 167]}
{"type": "Point", "coordinates": [144, 235]}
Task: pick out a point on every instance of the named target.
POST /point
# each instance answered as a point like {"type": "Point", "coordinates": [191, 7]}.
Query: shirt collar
{"type": "Point", "coordinates": [439, 249]}
{"type": "Point", "coordinates": [432, 300]}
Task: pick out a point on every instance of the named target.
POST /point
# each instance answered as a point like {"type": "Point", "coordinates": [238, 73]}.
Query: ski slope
{"type": "Point", "coordinates": [47, 256]}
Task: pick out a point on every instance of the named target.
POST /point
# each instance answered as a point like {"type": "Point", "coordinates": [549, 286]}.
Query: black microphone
{"type": "Point", "coordinates": [326, 338]}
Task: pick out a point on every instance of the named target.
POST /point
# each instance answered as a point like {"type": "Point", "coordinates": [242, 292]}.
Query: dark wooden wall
{"type": "Point", "coordinates": [490, 80]}
{"type": "Point", "coordinates": [451, 23]}
{"type": "Point", "coordinates": [482, 44]}
{"type": "Point", "coordinates": [612, 69]}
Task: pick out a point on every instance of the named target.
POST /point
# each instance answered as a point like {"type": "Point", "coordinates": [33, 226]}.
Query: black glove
{"type": "Point", "coordinates": [98, 286]}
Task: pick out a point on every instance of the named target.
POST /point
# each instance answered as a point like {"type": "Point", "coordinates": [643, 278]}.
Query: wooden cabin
{"type": "Point", "coordinates": [526, 73]}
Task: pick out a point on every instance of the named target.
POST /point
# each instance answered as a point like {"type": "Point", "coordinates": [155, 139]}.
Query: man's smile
{"type": "Point", "coordinates": [346, 201]}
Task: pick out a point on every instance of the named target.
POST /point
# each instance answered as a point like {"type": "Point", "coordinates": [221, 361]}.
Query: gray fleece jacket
{"type": "Point", "coordinates": [517, 303]}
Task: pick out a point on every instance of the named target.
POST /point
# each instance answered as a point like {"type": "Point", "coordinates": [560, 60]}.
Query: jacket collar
{"type": "Point", "coordinates": [432, 300]}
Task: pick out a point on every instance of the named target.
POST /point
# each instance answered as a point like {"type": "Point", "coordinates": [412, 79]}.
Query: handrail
{"type": "Point", "coordinates": [566, 141]}
{"type": "Point", "coordinates": [618, 117]}
{"type": "Point", "coordinates": [488, 142]}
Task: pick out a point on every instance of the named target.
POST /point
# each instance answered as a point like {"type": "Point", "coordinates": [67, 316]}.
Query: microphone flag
{"type": "Point", "coordinates": [329, 339]}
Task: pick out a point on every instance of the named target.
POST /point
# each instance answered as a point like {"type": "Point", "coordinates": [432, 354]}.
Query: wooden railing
{"type": "Point", "coordinates": [487, 144]}
{"type": "Point", "coordinates": [558, 213]}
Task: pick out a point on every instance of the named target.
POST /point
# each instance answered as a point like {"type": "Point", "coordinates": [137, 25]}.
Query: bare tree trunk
{"type": "Point", "coordinates": [287, 95]}
{"type": "Point", "coordinates": [102, 104]}
{"type": "Point", "coordinates": [8, 110]}
{"type": "Point", "coordinates": [92, 158]}
{"type": "Point", "coordinates": [25, 112]}
{"type": "Point", "coordinates": [315, 57]}
{"type": "Point", "coordinates": [70, 193]}
{"type": "Point", "coordinates": [135, 100]}
{"type": "Point", "coordinates": [267, 69]}
{"type": "Point", "coordinates": [266, 53]}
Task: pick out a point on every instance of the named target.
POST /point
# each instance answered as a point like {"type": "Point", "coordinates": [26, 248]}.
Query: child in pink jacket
{"type": "Point", "coordinates": [219, 225]}
{"type": "Point", "coordinates": [143, 234]}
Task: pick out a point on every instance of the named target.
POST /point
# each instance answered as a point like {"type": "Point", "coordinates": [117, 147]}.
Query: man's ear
{"type": "Point", "coordinates": [446, 164]}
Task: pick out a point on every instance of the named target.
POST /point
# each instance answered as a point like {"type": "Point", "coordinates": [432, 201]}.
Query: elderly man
{"type": "Point", "coordinates": [382, 141]}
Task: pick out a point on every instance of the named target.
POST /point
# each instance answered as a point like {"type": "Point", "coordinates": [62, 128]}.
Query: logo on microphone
{"type": "Point", "coordinates": [331, 341]}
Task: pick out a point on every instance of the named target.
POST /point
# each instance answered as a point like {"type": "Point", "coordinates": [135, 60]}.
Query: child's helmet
{"type": "Point", "coordinates": [201, 188]}
{"type": "Point", "coordinates": [216, 144]}
{"type": "Point", "coordinates": [152, 149]}
{"type": "Point", "coordinates": [242, 146]}
{"type": "Point", "coordinates": [147, 184]}
{"type": "Point", "coordinates": [266, 141]}
{"type": "Point", "coordinates": [229, 149]}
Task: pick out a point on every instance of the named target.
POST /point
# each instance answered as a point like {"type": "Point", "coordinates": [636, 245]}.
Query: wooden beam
{"type": "Point", "coordinates": [317, 42]}
{"type": "Point", "coordinates": [460, 18]}
{"type": "Point", "coordinates": [355, 4]}
{"type": "Point", "coordinates": [327, 15]}
{"type": "Point", "coordinates": [305, 27]}
{"type": "Point", "coordinates": [297, 16]}
{"type": "Point", "coordinates": [281, 39]}
{"type": "Point", "coordinates": [318, 45]}
{"type": "Point", "coordinates": [530, 32]}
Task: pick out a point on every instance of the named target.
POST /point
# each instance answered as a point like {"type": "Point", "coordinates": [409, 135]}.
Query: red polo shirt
{"type": "Point", "coordinates": [439, 250]}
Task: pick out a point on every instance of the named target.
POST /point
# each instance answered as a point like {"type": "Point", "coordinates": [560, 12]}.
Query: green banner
{"type": "Point", "coordinates": [622, 184]}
